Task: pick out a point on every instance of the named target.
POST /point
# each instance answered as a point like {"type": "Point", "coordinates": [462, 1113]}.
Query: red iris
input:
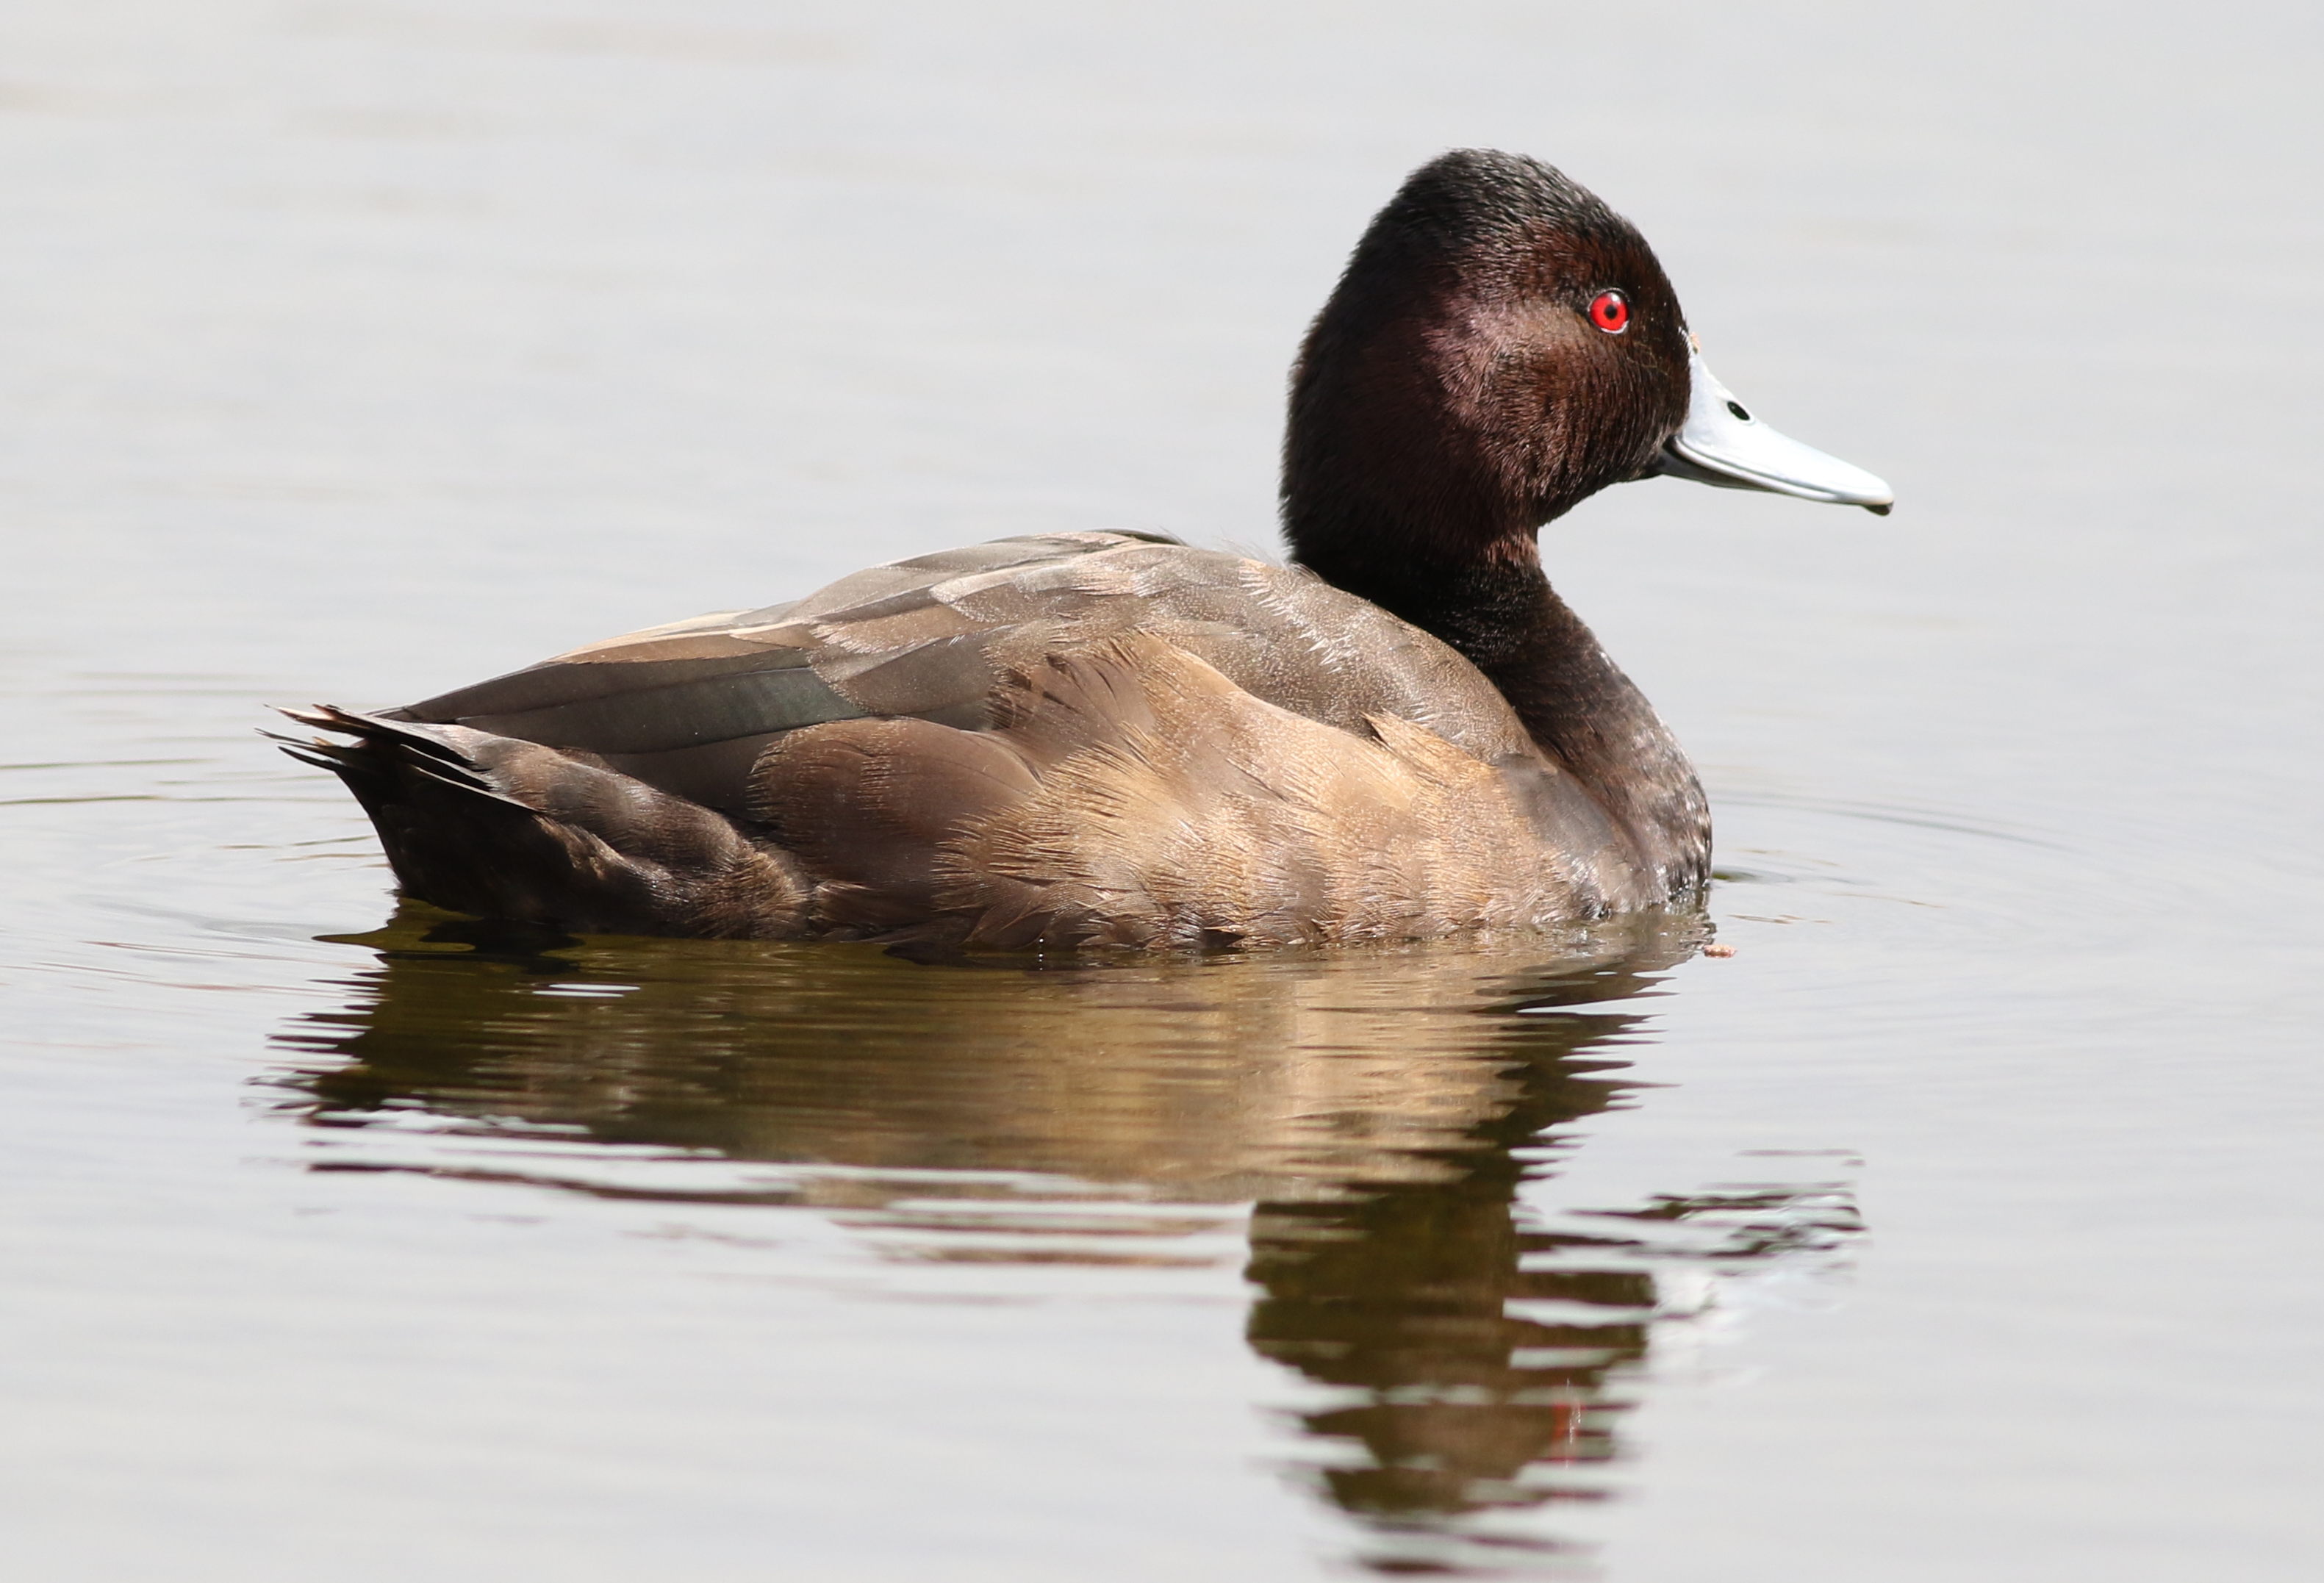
{"type": "Point", "coordinates": [1610, 312]}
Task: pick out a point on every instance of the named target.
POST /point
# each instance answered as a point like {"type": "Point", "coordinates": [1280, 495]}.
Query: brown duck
{"type": "Point", "coordinates": [1112, 739]}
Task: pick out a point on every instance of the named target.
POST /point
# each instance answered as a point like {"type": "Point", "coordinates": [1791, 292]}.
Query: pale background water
{"type": "Point", "coordinates": [1969, 1213]}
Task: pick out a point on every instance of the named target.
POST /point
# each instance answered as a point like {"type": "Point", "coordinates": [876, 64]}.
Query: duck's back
{"type": "Point", "coordinates": [689, 707]}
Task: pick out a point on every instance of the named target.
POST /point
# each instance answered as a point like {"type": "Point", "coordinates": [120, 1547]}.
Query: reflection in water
{"type": "Point", "coordinates": [1378, 1110]}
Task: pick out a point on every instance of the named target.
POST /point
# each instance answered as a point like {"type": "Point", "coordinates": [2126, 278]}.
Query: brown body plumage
{"type": "Point", "coordinates": [1092, 738]}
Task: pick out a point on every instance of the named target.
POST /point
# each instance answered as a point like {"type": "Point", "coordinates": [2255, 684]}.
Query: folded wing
{"type": "Point", "coordinates": [689, 708]}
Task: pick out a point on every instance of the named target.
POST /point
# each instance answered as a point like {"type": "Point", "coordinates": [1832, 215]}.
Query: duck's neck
{"type": "Point", "coordinates": [1498, 610]}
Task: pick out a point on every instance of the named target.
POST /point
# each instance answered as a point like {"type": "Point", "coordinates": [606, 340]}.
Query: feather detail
{"type": "Point", "coordinates": [513, 829]}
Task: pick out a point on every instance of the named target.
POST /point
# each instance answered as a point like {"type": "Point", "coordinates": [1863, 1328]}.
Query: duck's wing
{"type": "Point", "coordinates": [689, 707]}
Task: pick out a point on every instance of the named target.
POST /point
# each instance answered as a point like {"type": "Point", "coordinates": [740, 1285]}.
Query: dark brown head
{"type": "Point", "coordinates": [1501, 346]}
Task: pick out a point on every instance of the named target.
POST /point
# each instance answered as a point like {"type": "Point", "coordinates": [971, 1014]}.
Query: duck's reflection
{"type": "Point", "coordinates": [1379, 1109]}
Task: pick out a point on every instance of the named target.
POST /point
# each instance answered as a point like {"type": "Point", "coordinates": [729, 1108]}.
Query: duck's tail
{"type": "Point", "coordinates": [507, 829]}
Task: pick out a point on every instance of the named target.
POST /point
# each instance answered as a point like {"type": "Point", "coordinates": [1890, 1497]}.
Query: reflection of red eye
{"type": "Point", "coordinates": [1611, 313]}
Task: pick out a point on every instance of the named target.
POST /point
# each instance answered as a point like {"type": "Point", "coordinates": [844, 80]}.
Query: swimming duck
{"type": "Point", "coordinates": [1110, 738]}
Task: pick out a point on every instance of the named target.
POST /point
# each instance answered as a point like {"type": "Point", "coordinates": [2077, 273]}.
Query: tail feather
{"type": "Point", "coordinates": [508, 829]}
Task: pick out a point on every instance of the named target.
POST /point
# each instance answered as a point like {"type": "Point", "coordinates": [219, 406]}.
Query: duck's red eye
{"type": "Point", "coordinates": [1610, 312]}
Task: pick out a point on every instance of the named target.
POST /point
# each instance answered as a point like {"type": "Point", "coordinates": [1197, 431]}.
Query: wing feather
{"type": "Point", "coordinates": [687, 707]}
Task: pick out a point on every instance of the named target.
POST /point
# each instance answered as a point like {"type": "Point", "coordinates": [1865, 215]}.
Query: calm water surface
{"type": "Point", "coordinates": [1961, 1224]}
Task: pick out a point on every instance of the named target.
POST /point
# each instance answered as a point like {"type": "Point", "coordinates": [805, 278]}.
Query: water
{"type": "Point", "coordinates": [1961, 1224]}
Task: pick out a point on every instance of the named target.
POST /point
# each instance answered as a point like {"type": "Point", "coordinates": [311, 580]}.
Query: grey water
{"type": "Point", "coordinates": [1962, 1223]}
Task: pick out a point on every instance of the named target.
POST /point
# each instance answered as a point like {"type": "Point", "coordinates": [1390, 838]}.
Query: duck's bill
{"type": "Point", "coordinates": [1723, 443]}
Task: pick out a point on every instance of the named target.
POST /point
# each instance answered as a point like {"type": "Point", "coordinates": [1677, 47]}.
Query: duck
{"type": "Point", "coordinates": [1111, 739]}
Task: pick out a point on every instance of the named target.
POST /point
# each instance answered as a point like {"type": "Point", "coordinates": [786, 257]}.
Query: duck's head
{"type": "Point", "coordinates": [1502, 345]}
